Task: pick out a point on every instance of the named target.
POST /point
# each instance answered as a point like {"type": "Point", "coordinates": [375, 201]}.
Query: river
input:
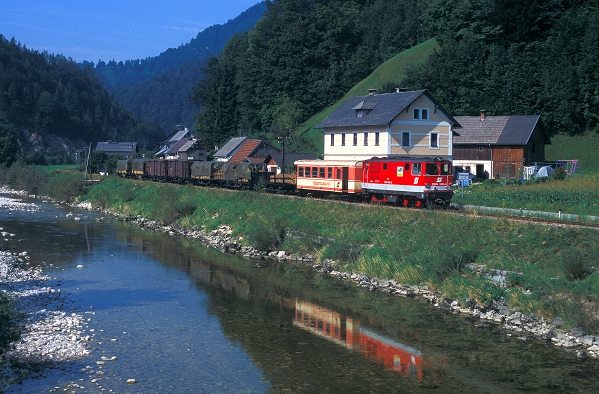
{"type": "Point", "coordinates": [181, 318]}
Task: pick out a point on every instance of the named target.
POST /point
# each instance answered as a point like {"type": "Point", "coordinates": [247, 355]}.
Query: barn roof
{"type": "Point", "coordinates": [498, 130]}
{"type": "Point", "coordinates": [116, 147]}
{"type": "Point", "coordinates": [246, 149]}
{"type": "Point", "coordinates": [229, 147]}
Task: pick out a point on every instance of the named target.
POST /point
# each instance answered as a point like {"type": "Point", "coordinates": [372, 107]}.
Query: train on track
{"type": "Point", "coordinates": [405, 181]}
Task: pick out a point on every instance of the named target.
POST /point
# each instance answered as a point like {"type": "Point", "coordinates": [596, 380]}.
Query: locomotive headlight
{"type": "Point", "coordinates": [427, 185]}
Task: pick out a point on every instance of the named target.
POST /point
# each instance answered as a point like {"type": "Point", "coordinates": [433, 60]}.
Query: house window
{"type": "Point", "coordinates": [359, 113]}
{"type": "Point", "coordinates": [355, 139]}
{"type": "Point", "coordinates": [417, 169]}
{"type": "Point", "coordinates": [434, 140]}
{"type": "Point", "coordinates": [420, 114]}
{"type": "Point", "coordinates": [405, 139]}
{"type": "Point", "coordinates": [332, 139]}
{"type": "Point", "coordinates": [342, 139]}
{"type": "Point", "coordinates": [479, 148]}
{"type": "Point", "coordinates": [376, 138]}
{"type": "Point", "coordinates": [366, 139]}
{"type": "Point", "coordinates": [533, 149]}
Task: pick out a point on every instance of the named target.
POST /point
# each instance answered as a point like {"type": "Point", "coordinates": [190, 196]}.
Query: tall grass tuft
{"type": "Point", "coordinates": [575, 264]}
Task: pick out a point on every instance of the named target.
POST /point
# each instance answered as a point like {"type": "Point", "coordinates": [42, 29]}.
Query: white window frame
{"type": "Point", "coordinates": [409, 133]}
{"type": "Point", "coordinates": [420, 114]}
{"type": "Point", "coordinates": [332, 139]}
{"type": "Point", "coordinates": [355, 139]}
{"type": "Point", "coordinates": [377, 138]}
{"type": "Point", "coordinates": [342, 139]}
{"type": "Point", "coordinates": [430, 140]}
{"type": "Point", "coordinates": [365, 138]}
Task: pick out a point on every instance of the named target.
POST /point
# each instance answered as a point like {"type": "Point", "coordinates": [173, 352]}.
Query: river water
{"type": "Point", "coordinates": [180, 318]}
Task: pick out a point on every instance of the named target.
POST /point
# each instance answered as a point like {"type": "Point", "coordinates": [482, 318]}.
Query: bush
{"type": "Point", "coordinates": [454, 263]}
{"type": "Point", "coordinates": [575, 264]}
{"type": "Point", "coordinates": [267, 236]}
{"type": "Point", "coordinates": [559, 174]}
{"type": "Point", "coordinates": [65, 186]}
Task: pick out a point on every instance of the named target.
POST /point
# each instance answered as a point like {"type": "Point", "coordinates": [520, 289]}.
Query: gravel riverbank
{"type": "Point", "coordinates": [54, 333]}
{"type": "Point", "coordinates": [522, 326]}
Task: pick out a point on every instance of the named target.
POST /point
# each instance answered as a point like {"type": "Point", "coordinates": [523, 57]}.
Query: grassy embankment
{"type": "Point", "coordinates": [553, 274]}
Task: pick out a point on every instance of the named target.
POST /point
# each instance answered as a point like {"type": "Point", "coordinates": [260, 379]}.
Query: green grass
{"type": "Point", "coordinates": [421, 247]}
{"type": "Point", "coordinates": [578, 195]}
{"type": "Point", "coordinates": [393, 70]}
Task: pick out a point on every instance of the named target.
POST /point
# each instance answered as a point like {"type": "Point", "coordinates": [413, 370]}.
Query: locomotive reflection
{"type": "Point", "coordinates": [347, 332]}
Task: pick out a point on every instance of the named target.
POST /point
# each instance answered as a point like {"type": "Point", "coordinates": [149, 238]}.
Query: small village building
{"type": "Point", "coordinates": [243, 149]}
{"type": "Point", "coordinates": [171, 140]}
{"type": "Point", "coordinates": [126, 150]}
{"type": "Point", "coordinates": [499, 146]}
{"type": "Point", "coordinates": [404, 123]}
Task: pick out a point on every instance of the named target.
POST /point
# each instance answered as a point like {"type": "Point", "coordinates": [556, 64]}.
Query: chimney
{"type": "Point", "coordinates": [482, 114]}
{"type": "Point", "coordinates": [371, 92]}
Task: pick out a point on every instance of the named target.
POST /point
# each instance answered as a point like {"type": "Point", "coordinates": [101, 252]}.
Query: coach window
{"type": "Point", "coordinates": [338, 173]}
{"type": "Point", "coordinates": [330, 172]}
{"type": "Point", "coordinates": [407, 167]}
{"type": "Point", "coordinates": [417, 169]}
{"type": "Point", "coordinates": [300, 171]}
{"type": "Point", "coordinates": [384, 166]}
{"type": "Point", "coordinates": [314, 172]}
{"type": "Point", "coordinates": [432, 169]}
{"type": "Point", "coordinates": [322, 169]}
{"type": "Point", "coordinates": [307, 172]}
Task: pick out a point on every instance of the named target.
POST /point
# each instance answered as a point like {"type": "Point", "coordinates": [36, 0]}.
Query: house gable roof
{"type": "Point", "coordinates": [175, 148]}
{"type": "Point", "coordinates": [229, 147]}
{"type": "Point", "coordinates": [381, 109]}
{"type": "Point", "coordinates": [245, 150]}
{"type": "Point", "coordinates": [498, 130]}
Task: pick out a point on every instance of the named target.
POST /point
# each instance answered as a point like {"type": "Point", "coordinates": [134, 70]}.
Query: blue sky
{"type": "Point", "coordinates": [112, 29]}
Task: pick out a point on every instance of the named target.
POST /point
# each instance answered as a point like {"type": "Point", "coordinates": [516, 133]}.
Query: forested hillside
{"type": "Point", "coordinates": [48, 104]}
{"type": "Point", "coordinates": [159, 88]}
{"type": "Point", "coordinates": [504, 56]}
{"type": "Point", "coordinates": [300, 57]}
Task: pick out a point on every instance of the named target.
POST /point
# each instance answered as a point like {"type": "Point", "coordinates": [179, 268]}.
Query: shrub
{"type": "Point", "coordinates": [559, 174]}
{"type": "Point", "coordinates": [267, 236]}
{"type": "Point", "coordinates": [575, 264]}
{"type": "Point", "coordinates": [454, 263]}
{"type": "Point", "coordinates": [65, 186]}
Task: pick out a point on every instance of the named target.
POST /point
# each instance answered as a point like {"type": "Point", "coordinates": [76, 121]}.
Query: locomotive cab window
{"type": "Point", "coordinates": [432, 169]}
{"type": "Point", "coordinates": [417, 169]}
{"type": "Point", "coordinates": [446, 169]}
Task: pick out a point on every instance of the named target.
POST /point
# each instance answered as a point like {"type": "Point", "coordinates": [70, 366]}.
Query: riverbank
{"type": "Point", "coordinates": [54, 332]}
{"type": "Point", "coordinates": [497, 312]}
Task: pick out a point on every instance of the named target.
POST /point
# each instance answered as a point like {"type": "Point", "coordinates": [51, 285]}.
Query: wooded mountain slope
{"type": "Point", "coordinates": [48, 103]}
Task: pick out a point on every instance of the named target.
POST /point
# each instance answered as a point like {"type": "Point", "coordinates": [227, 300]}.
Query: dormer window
{"type": "Point", "coordinates": [363, 108]}
{"type": "Point", "coordinates": [359, 113]}
{"type": "Point", "coordinates": [420, 114]}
